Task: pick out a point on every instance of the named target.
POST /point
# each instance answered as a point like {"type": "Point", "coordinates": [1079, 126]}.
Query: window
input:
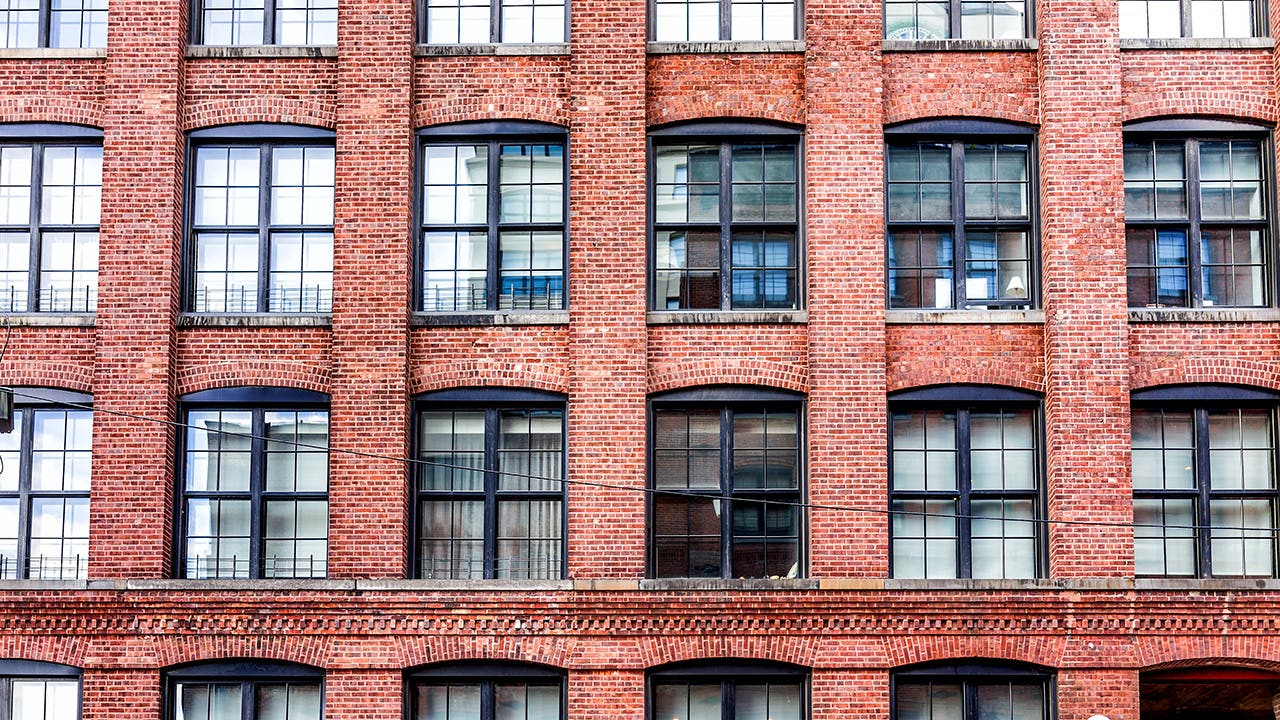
{"type": "Point", "coordinates": [726, 479]}
{"type": "Point", "coordinates": [965, 483]}
{"type": "Point", "coordinates": [732, 690]}
{"type": "Point", "coordinates": [261, 220]}
{"type": "Point", "coordinates": [1189, 18]}
{"type": "Point", "coordinates": [490, 490]}
{"type": "Point", "coordinates": [963, 19]}
{"type": "Point", "coordinates": [1196, 214]}
{"type": "Point", "coordinates": [493, 217]}
{"type": "Point", "coordinates": [245, 690]}
{"type": "Point", "coordinates": [255, 484]}
{"type": "Point", "coordinates": [50, 195]}
{"type": "Point", "coordinates": [1204, 483]}
{"type": "Point", "coordinates": [453, 22]}
{"type": "Point", "coordinates": [486, 691]}
{"type": "Point", "coordinates": [726, 217]}
{"type": "Point", "coordinates": [38, 691]}
{"type": "Point", "coordinates": [961, 216]}
{"type": "Point", "coordinates": [712, 20]}
{"type": "Point", "coordinates": [44, 488]}
{"type": "Point", "coordinates": [971, 691]}
{"type": "Point", "coordinates": [53, 23]}
{"type": "Point", "coordinates": [266, 22]}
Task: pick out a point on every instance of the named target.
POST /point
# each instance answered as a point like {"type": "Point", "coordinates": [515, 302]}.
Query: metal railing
{"type": "Point", "coordinates": [238, 568]}
{"type": "Point", "coordinates": [61, 299]}
{"type": "Point", "coordinates": [457, 299]}
{"type": "Point", "coordinates": [45, 567]}
{"type": "Point", "coordinates": [517, 568]}
{"type": "Point", "coordinates": [316, 299]}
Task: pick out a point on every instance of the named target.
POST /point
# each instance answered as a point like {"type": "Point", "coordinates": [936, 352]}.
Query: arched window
{"type": "Point", "coordinates": [728, 690]}
{"type": "Point", "coordinates": [245, 690]}
{"type": "Point", "coordinates": [486, 691]}
{"type": "Point", "coordinates": [972, 690]}
{"type": "Point", "coordinates": [31, 690]}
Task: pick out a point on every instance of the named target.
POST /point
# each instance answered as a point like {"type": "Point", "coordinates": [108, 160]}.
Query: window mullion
{"type": "Point", "coordinates": [959, 295]}
{"type": "Point", "coordinates": [726, 492]}
{"type": "Point", "coordinates": [954, 11]}
{"type": "Point", "coordinates": [726, 20]}
{"type": "Point", "coordinates": [264, 226]}
{"type": "Point", "coordinates": [269, 22]}
{"type": "Point", "coordinates": [495, 21]}
{"type": "Point", "coordinates": [1194, 273]}
{"type": "Point", "coordinates": [35, 239]}
{"type": "Point", "coordinates": [726, 225]}
{"type": "Point", "coordinates": [257, 482]}
{"type": "Point", "coordinates": [493, 208]}
{"type": "Point", "coordinates": [728, 700]}
{"type": "Point", "coordinates": [963, 488]}
{"type": "Point", "coordinates": [24, 495]}
{"type": "Point", "coordinates": [487, 700]}
{"type": "Point", "coordinates": [1185, 18]}
{"type": "Point", "coordinates": [492, 418]}
{"type": "Point", "coordinates": [1203, 534]}
{"type": "Point", "coordinates": [247, 701]}
{"type": "Point", "coordinates": [44, 27]}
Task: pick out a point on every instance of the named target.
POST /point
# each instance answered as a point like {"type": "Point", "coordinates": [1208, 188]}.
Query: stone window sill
{"type": "Point", "coordinates": [727, 317]}
{"type": "Point", "coordinates": [52, 53]}
{"type": "Point", "coordinates": [1203, 315]}
{"type": "Point", "coordinates": [1011, 45]}
{"type": "Point", "coordinates": [489, 318]}
{"type": "Point", "coordinates": [190, 320]}
{"type": "Point", "coordinates": [262, 51]}
{"type": "Point", "coordinates": [725, 46]}
{"type": "Point", "coordinates": [963, 317]}
{"type": "Point", "coordinates": [491, 49]}
{"type": "Point", "coordinates": [47, 319]}
{"type": "Point", "coordinates": [1253, 43]}
{"type": "Point", "coordinates": [695, 584]}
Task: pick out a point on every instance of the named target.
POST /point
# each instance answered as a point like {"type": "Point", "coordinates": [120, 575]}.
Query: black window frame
{"type": "Point", "coordinates": [725, 15]}
{"type": "Point", "coordinates": [494, 135]}
{"type": "Point", "coordinates": [972, 673]}
{"type": "Point", "coordinates": [29, 401]}
{"type": "Point", "coordinates": [45, 34]}
{"type": "Point", "coordinates": [38, 137]}
{"type": "Point", "coordinates": [492, 401]}
{"type": "Point", "coordinates": [269, 38]}
{"type": "Point", "coordinates": [963, 400]}
{"type": "Point", "coordinates": [1260, 24]}
{"type": "Point", "coordinates": [729, 672]}
{"type": "Point", "coordinates": [726, 135]}
{"type": "Point", "coordinates": [1200, 400]}
{"type": "Point", "coordinates": [495, 27]}
{"type": "Point", "coordinates": [727, 400]}
{"type": "Point", "coordinates": [955, 10]}
{"type": "Point", "coordinates": [248, 673]}
{"type": "Point", "coordinates": [1192, 132]}
{"type": "Point", "coordinates": [258, 401]}
{"type": "Point", "coordinates": [265, 137]}
{"type": "Point", "coordinates": [488, 675]}
{"type": "Point", "coordinates": [39, 671]}
{"type": "Point", "coordinates": [956, 133]}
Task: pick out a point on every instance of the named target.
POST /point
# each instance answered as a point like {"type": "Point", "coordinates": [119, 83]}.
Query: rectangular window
{"type": "Point", "coordinates": [490, 493]}
{"type": "Point", "coordinates": [726, 225]}
{"type": "Point", "coordinates": [1189, 18]}
{"type": "Point", "coordinates": [44, 494]}
{"type": "Point", "coordinates": [39, 698]}
{"type": "Point", "coordinates": [53, 23]}
{"type": "Point", "coordinates": [963, 19]}
{"type": "Point", "coordinates": [714, 20]}
{"type": "Point", "coordinates": [726, 483]}
{"type": "Point", "coordinates": [453, 22]}
{"type": "Point", "coordinates": [255, 488]}
{"type": "Point", "coordinates": [1196, 222]}
{"type": "Point", "coordinates": [493, 226]}
{"type": "Point", "coordinates": [970, 698]}
{"type": "Point", "coordinates": [50, 196]}
{"type": "Point", "coordinates": [961, 225]}
{"type": "Point", "coordinates": [744, 699]}
{"type": "Point", "coordinates": [965, 493]}
{"type": "Point", "coordinates": [1204, 492]}
{"type": "Point", "coordinates": [267, 22]}
{"type": "Point", "coordinates": [262, 228]}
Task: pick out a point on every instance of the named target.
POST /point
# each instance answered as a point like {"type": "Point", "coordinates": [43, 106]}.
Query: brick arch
{"type": "Point", "coordinates": [977, 106]}
{"type": "Point", "coordinates": [34, 373]}
{"type": "Point", "coordinates": [266, 645]}
{"type": "Point", "coordinates": [685, 373]}
{"type": "Point", "coordinates": [732, 107]}
{"type": "Point", "coordinates": [782, 648]}
{"type": "Point", "coordinates": [39, 108]}
{"type": "Point", "coordinates": [1174, 649]}
{"type": "Point", "coordinates": [44, 648]}
{"type": "Point", "coordinates": [253, 373]}
{"type": "Point", "coordinates": [487, 373]}
{"type": "Point", "coordinates": [415, 651]}
{"type": "Point", "coordinates": [959, 370]}
{"type": "Point", "coordinates": [259, 110]}
{"type": "Point", "coordinates": [1199, 371]}
{"type": "Point", "coordinates": [491, 106]}
{"type": "Point", "coordinates": [1203, 100]}
{"type": "Point", "coordinates": [924, 647]}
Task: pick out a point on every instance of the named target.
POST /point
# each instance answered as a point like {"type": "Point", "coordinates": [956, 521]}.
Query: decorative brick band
{"type": "Point", "coordinates": [976, 105]}
{"type": "Point", "coordinates": [44, 648]}
{"type": "Point", "coordinates": [487, 373]}
{"type": "Point", "coordinates": [203, 648]}
{"type": "Point", "coordinates": [259, 110]}
{"type": "Point", "coordinates": [426, 650]}
{"type": "Point", "coordinates": [34, 373]}
{"type": "Point", "coordinates": [955, 369]}
{"type": "Point", "coordinates": [688, 372]}
{"type": "Point", "coordinates": [491, 106]}
{"type": "Point", "coordinates": [796, 650]}
{"type": "Point", "coordinates": [1197, 371]}
{"type": "Point", "coordinates": [1038, 650]}
{"type": "Point", "coordinates": [1201, 100]}
{"type": "Point", "coordinates": [258, 373]}
{"type": "Point", "coordinates": [51, 109]}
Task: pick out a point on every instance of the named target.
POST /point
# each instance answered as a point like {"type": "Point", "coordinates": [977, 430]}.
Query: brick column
{"type": "Point", "coordinates": [862, 694]}
{"type": "Point", "coordinates": [1086, 319]}
{"type": "Point", "coordinates": [371, 272]}
{"type": "Point", "coordinates": [617, 695]}
{"type": "Point", "coordinates": [120, 694]}
{"type": "Point", "coordinates": [844, 205]}
{"type": "Point", "coordinates": [607, 280]}
{"type": "Point", "coordinates": [139, 264]}
{"type": "Point", "coordinates": [1113, 694]}
{"type": "Point", "coordinates": [361, 695]}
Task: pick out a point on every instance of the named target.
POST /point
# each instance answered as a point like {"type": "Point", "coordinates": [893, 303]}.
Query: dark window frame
{"type": "Point", "coordinates": [725, 24]}
{"type": "Point", "coordinates": [248, 673]}
{"type": "Point", "coordinates": [258, 401]}
{"type": "Point", "coordinates": [972, 673]}
{"type": "Point", "coordinates": [1192, 132]}
{"type": "Point", "coordinates": [1200, 400]}
{"type": "Point", "coordinates": [954, 17]}
{"type": "Point", "coordinates": [35, 670]}
{"type": "Point", "coordinates": [493, 134]}
{"type": "Point", "coordinates": [729, 672]}
{"type": "Point", "coordinates": [956, 133]}
{"type": "Point", "coordinates": [726, 400]}
{"type": "Point", "coordinates": [486, 674]}
{"type": "Point", "coordinates": [492, 401]}
{"type": "Point", "coordinates": [964, 399]}
{"type": "Point", "coordinates": [1260, 24]}
{"type": "Point", "coordinates": [265, 137]}
{"type": "Point", "coordinates": [31, 401]}
{"type": "Point", "coordinates": [44, 31]}
{"type": "Point", "coordinates": [269, 38]}
{"type": "Point", "coordinates": [495, 26]}
{"type": "Point", "coordinates": [726, 135]}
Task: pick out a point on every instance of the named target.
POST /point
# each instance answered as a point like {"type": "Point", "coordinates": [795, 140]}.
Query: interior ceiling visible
{"type": "Point", "coordinates": [1218, 700]}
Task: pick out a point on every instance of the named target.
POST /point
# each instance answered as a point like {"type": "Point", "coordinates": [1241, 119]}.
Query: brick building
{"type": "Point", "coordinates": [452, 359]}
